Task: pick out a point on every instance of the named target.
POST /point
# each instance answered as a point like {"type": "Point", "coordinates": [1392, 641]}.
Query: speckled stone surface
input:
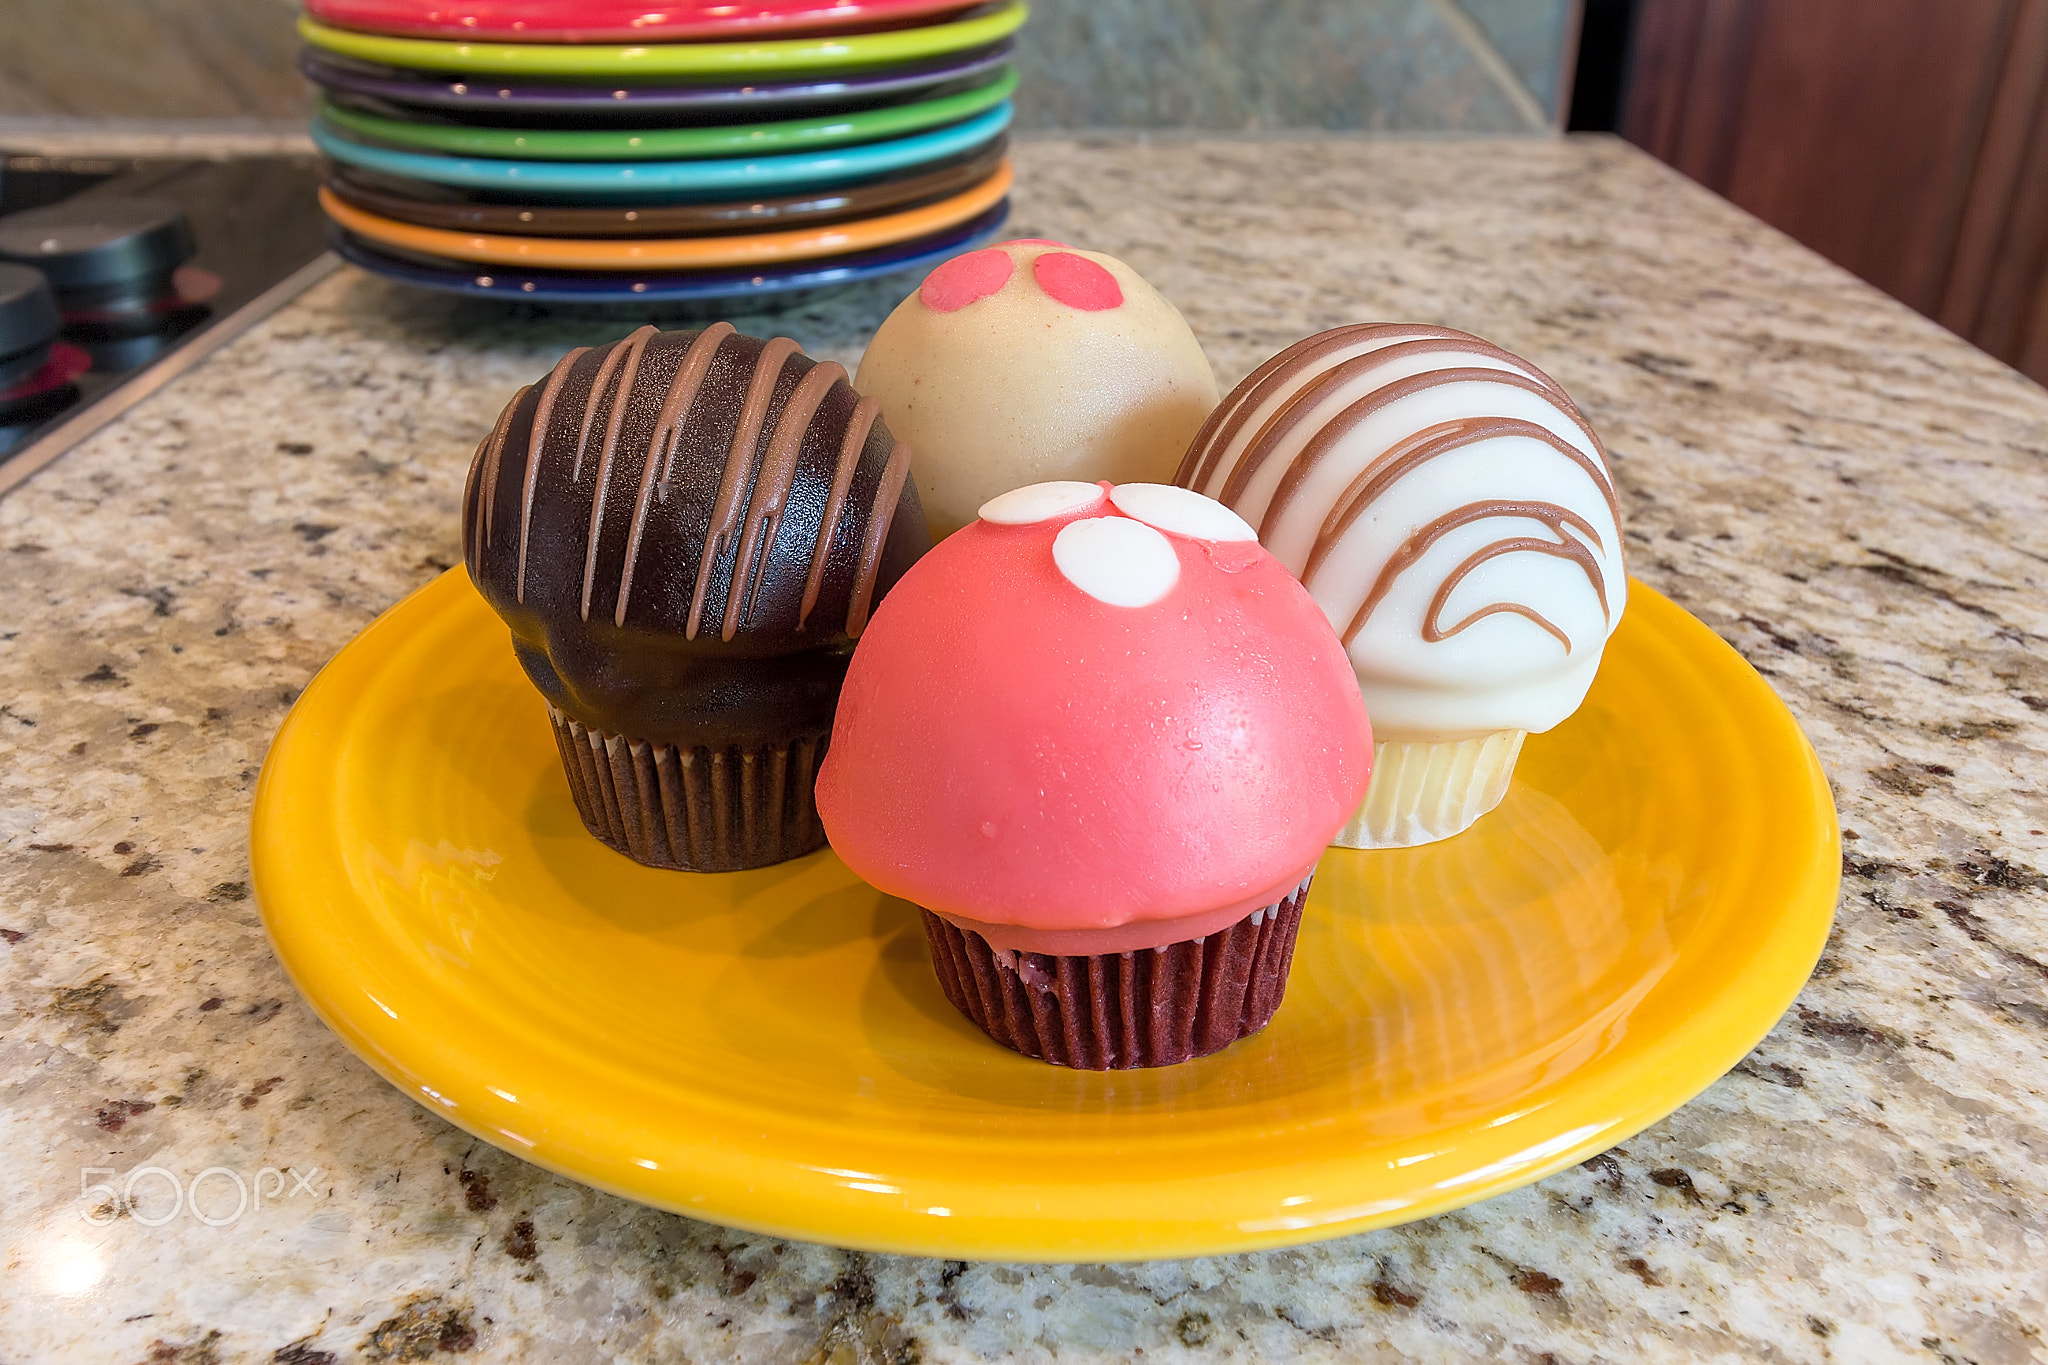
{"type": "Point", "coordinates": [1853, 498]}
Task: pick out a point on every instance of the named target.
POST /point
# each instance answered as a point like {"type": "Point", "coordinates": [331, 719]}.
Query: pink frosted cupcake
{"type": "Point", "coordinates": [1102, 737]}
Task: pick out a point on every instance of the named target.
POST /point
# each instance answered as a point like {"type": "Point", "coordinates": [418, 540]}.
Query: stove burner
{"type": "Point", "coordinates": [28, 323]}
{"type": "Point", "coordinates": [188, 287]}
{"type": "Point", "coordinates": [52, 387]}
{"type": "Point", "coordinates": [95, 243]}
{"type": "Point", "coordinates": [65, 363]}
{"type": "Point", "coordinates": [113, 263]}
{"type": "Point", "coordinates": [129, 295]}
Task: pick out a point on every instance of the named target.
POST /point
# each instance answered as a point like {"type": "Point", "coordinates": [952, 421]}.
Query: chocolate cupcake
{"type": "Point", "coordinates": [1102, 738]}
{"type": "Point", "coordinates": [686, 532]}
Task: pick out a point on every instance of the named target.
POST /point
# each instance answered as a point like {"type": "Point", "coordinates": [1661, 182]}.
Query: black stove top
{"type": "Point", "coordinates": [145, 259]}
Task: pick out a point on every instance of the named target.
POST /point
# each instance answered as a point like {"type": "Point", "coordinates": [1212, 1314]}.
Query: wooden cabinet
{"type": "Point", "coordinates": [1904, 139]}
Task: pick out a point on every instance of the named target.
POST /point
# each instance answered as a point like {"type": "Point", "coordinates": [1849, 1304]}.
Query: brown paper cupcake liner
{"type": "Point", "coordinates": [699, 810]}
{"type": "Point", "coordinates": [1151, 1007]}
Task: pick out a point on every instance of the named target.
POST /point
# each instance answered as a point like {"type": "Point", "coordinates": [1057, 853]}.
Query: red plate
{"type": "Point", "coordinates": [616, 21]}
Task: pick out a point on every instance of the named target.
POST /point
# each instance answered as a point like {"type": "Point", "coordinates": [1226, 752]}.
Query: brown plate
{"type": "Point", "coordinates": [405, 201]}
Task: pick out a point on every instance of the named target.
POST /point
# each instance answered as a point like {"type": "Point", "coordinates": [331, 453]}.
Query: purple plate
{"type": "Point", "coordinates": [482, 100]}
{"type": "Point", "coordinates": [698, 289]}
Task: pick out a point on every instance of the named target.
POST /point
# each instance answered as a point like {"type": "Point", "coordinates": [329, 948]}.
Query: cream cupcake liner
{"type": "Point", "coordinates": [1423, 792]}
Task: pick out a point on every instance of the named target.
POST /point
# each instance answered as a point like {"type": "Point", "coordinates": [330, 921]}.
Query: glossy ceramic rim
{"type": "Point", "coordinates": [791, 171]}
{"type": "Point", "coordinates": [907, 1187]}
{"type": "Point", "coordinates": [678, 253]}
{"type": "Point", "coordinates": [737, 289]}
{"type": "Point", "coordinates": [661, 144]}
{"type": "Point", "coordinates": [477, 99]}
{"type": "Point", "coordinates": [650, 61]}
{"type": "Point", "coordinates": [616, 21]}
{"type": "Point", "coordinates": [668, 220]}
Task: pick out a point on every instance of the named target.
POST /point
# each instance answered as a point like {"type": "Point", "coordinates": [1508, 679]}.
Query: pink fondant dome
{"type": "Point", "coordinates": [1095, 720]}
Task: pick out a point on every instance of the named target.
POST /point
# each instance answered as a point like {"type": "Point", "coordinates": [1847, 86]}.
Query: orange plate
{"type": "Point", "coordinates": [679, 253]}
{"type": "Point", "coordinates": [770, 1049]}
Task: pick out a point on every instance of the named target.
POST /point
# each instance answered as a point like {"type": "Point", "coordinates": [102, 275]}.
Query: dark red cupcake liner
{"type": "Point", "coordinates": [698, 810]}
{"type": "Point", "coordinates": [1151, 1007]}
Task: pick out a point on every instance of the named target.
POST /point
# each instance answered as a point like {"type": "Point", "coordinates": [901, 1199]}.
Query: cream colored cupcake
{"type": "Point", "coordinates": [1452, 512]}
{"type": "Point", "coordinates": [1032, 362]}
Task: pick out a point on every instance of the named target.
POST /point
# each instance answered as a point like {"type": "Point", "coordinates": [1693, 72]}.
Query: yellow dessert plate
{"type": "Point", "coordinates": [770, 1050]}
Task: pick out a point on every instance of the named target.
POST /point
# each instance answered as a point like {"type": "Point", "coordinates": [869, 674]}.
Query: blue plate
{"type": "Point", "coordinates": [798, 170]}
{"type": "Point", "coordinates": [696, 287]}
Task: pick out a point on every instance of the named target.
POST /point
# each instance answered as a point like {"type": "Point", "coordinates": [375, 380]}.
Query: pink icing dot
{"type": "Point", "coordinates": [1077, 281]}
{"type": "Point", "coordinates": [966, 279]}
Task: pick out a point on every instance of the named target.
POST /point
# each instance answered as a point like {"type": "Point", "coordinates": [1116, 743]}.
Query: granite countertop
{"type": "Point", "coordinates": [1849, 495]}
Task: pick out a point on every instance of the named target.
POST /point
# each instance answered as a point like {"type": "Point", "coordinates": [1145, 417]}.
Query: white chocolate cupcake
{"type": "Point", "coordinates": [1031, 362]}
{"type": "Point", "coordinates": [1452, 513]}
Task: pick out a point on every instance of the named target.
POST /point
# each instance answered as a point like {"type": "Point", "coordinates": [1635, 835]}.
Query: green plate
{"type": "Point", "coordinates": [660, 144]}
{"type": "Point", "coordinates": [672, 59]}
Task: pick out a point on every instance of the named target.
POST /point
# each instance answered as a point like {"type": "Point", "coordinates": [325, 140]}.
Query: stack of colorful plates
{"type": "Point", "coordinates": [609, 151]}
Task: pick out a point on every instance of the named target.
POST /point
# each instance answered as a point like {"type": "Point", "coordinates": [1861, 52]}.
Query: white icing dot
{"type": "Point", "coordinates": [1181, 511]}
{"type": "Point", "coordinates": [1116, 561]}
{"type": "Point", "coordinates": [1040, 502]}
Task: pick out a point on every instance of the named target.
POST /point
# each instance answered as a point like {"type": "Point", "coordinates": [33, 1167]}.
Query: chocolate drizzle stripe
{"type": "Point", "coordinates": [1221, 427]}
{"type": "Point", "coordinates": [1405, 350]}
{"type": "Point", "coordinates": [1398, 460]}
{"type": "Point", "coordinates": [850, 448]}
{"type": "Point", "coordinates": [1334, 431]}
{"type": "Point", "coordinates": [1412, 549]}
{"type": "Point", "coordinates": [1401, 339]}
{"type": "Point", "coordinates": [675, 407]}
{"type": "Point", "coordinates": [535, 438]}
{"type": "Point", "coordinates": [1432, 632]}
{"type": "Point", "coordinates": [636, 348]}
{"type": "Point", "coordinates": [682, 394]}
{"type": "Point", "coordinates": [472, 543]}
{"type": "Point", "coordinates": [1303, 403]}
{"type": "Point", "coordinates": [1298, 407]}
{"type": "Point", "coordinates": [1199, 463]}
{"type": "Point", "coordinates": [881, 513]}
{"type": "Point", "coordinates": [493, 453]}
{"type": "Point", "coordinates": [771, 489]}
{"type": "Point", "coordinates": [739, 460]}
{"type": "Point", "coordinates": [613, 355]}
{"type": "Point", "coordinates": [480, 474]}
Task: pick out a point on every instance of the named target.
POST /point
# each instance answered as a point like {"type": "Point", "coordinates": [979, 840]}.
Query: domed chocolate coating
{"type": "Point", "coordinates": [686, 530]}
